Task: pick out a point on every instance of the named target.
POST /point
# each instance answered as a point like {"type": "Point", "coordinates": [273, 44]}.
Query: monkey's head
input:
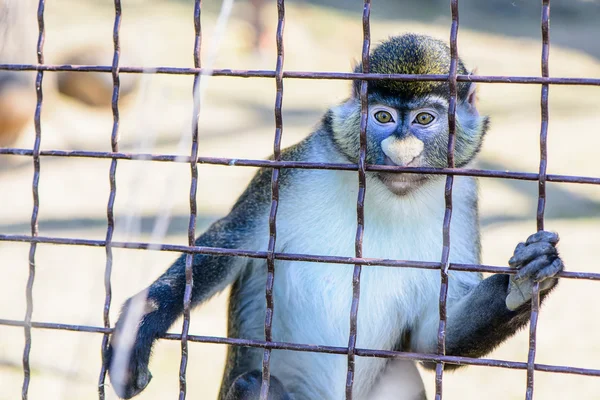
{"type": "Point", "coordinates": [408, 121]}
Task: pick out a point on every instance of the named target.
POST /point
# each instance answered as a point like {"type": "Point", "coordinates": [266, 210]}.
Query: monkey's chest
{"type": "Point", "coordinates": [313, 301]}
{"type": "Point", "coordinates": [390, 297]}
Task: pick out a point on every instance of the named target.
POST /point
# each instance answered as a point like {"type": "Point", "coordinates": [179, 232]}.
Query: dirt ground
{"type": "Point", "coordinates": [237, 121]}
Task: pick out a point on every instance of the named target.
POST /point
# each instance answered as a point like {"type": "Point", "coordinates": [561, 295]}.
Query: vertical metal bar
{"type": "Point", "coordinates": [266, 366]}
{"type": "Point", "coordinates": [114, 142]}
{"type": "Point", "coordinates": [360, 201]}
{"type": "Point", "coordinates": [189, 259]}
{"type": "Point", "coordinates": [452, 83]}
{"type": "Point", "coordinates": [535, 298]}
{"type": "Point", "coordinates": [36, 200]}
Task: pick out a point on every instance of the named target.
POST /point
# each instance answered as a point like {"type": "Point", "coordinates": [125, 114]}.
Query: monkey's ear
{"type": "Point", "coordinates": [472, 94]}
{"type": "Point", "coordinates": [355, 90]}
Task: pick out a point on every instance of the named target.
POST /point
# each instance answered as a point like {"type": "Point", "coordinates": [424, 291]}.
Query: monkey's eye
{"type": "Point", "coordinates": [424, 118]}
{"type": "Point", "coordinates": [384, 117]}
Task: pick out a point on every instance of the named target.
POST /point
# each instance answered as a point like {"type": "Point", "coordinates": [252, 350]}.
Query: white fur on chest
{"type": "Point", "coordinates": [321, 220]}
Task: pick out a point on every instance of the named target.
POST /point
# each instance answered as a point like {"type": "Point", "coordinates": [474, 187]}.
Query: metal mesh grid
{"type": "Point", "coordinates": [276, 164]}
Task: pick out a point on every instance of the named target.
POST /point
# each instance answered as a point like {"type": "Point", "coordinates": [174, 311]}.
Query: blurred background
{"type": "Point", "coordinates": [499, 37]}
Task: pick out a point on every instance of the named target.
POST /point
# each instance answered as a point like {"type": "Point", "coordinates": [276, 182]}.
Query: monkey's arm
{"type": "Point", "coordinates": [164, 302]}
{"type": "Point", "coordinates": [481, 320]}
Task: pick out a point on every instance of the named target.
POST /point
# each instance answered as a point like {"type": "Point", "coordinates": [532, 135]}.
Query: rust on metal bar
{"type": "Point", "coordinates": [535, 297]}
{"type": "Point", "coordinates": [266, 362]}
{"type": "Point", "coordinates": [360, 200]}
{"type": "Point", "coordinates": [36, 202]}
{"type": "Point", "coordinates": [486, 362]}
{"type": "Point", "coordinates": [240, 162]}
{"type": "Point", "coordinates": [114, 143]}
{"type": "Point", "coordinates": [303, 74]}
{"type": "Point", "coordinates": [189, 259]}
{"type": "Point", "coordinates": [452, 83]}
{"type": "Point", "coordinates": [226, 252]}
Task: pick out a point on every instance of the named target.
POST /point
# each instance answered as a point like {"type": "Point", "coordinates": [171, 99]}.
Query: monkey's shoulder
{"type": "Point", "coordinates": [318, 147]}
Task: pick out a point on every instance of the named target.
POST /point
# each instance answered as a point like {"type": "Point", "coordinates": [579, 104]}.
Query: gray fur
{"type": "Point", "coordinates": [317, 215]}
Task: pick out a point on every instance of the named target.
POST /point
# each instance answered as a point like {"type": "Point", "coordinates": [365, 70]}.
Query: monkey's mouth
{"type": "Point", "coordinates": [401, 183]}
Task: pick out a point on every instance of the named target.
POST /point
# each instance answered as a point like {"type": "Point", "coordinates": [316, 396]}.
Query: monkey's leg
{"type": "Point", "coordinates": [491, 313]}
{"type": "Point", "coordinates": [247, 387]}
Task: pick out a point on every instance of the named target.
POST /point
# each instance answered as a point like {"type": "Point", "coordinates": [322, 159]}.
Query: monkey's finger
{"type": "Point", "coordinates": [543, 236]}
{"type": "Point", "coordinates": [143, 380]}
{"type": "Point", "coordinates": [550, 271]}
{"type": "Point", "coordinates": [518, 249]}
{"type": "Point", "coordinates": [133, 385]}
{"type": "Point", "coordinates": [533, 267]}
{"type": "Point", "coordinates": [529, 252]}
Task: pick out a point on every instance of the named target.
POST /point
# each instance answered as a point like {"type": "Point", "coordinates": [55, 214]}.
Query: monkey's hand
{"type": "Point", "coordinates": [536, 260]}
{"type": "Point", "coordinates": [128, 355]}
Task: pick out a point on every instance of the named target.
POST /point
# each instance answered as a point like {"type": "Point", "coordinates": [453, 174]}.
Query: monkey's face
{"type": "Point", "coordinates": [409, 133]}
{"type": "Point", "coordinates": [408, 120]}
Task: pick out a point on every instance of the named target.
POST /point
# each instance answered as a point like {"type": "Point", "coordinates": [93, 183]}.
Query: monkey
{"type": "Point", "coordinates": [407, 126]}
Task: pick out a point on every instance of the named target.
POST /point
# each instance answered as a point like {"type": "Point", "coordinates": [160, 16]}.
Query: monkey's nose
{"type": "Point", "coordinates": [405, 153]}
{"type": "Point", "coordinates": [388, 161]}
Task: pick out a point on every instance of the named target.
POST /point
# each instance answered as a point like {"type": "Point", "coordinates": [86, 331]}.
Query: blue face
{"type": "Point", "coordinates": [414, 134]}
{"type": "Point", "coordinates": [411, 132]}
{"type": "Point", "coordinates": [402, 133]}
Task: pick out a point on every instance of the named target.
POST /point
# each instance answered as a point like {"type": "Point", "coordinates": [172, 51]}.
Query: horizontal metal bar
{"type": "Point", "coordinates": [301, 74]}
{"type": "Point", "coordinates": [527, 176]}
{"type": "Point", "coordinates": [325, 349]}
{"type": "Point", "coordinates": [217, 251]}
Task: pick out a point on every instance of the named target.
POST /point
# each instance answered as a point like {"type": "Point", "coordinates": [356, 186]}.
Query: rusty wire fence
{"type": "Point", "coordinates": [276, 164]}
